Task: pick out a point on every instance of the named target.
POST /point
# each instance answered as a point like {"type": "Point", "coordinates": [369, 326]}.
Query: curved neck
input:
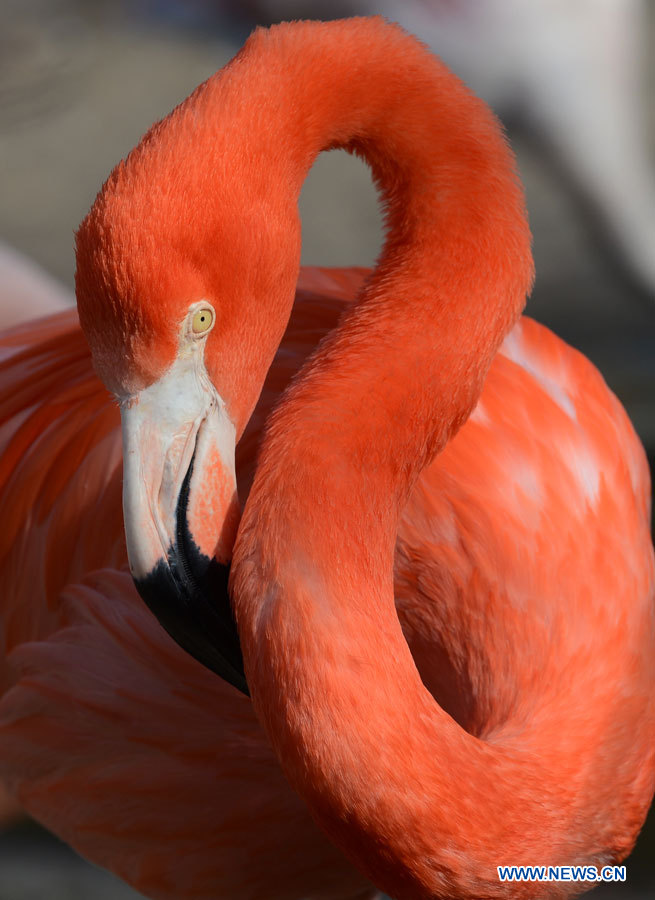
{"type": "Point", "coordinates": [456, 265]}
{"type": "Point", "coordinates": [330, 673]}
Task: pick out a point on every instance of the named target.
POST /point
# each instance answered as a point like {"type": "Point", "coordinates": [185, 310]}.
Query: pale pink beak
{"type": "Point", "coordinates": [181, 510]}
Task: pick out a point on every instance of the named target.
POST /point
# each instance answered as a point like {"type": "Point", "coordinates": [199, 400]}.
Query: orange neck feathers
{"type": "Point", "coordinates": [385, 771]}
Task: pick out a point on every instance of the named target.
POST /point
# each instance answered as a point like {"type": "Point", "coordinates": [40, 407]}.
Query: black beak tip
{"type": "Point", "coordinates": [192, 604]}
{"type": "Point", "coordinates": [187, 592]}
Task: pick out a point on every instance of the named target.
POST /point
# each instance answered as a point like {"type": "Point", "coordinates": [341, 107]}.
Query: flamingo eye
{"type": "Point", "coordinates": [202, 320]}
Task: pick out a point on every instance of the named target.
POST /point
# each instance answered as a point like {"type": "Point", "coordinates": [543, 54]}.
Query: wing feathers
{"type": "Point", "coordinates": [126, 747]}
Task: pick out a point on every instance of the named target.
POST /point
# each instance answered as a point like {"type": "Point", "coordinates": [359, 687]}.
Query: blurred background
{"type": "Point", "coordinates": [80, 81]}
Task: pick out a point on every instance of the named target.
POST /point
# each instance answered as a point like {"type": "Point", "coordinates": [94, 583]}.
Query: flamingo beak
{"type": "Point", "coordinates": [181, 511]}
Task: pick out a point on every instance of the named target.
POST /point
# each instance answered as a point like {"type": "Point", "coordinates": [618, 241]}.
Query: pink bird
{"type": "Point", "coordinates": [442, 576]}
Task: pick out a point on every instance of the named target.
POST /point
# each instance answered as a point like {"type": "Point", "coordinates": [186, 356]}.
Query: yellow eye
{"type": "Point", "coordinates": [202, 321]}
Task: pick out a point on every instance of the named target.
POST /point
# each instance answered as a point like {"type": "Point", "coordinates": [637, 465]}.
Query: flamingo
{"type": "Point", "coordinates": [441, 476]}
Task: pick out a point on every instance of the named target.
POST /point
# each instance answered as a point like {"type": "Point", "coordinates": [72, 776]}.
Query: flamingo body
{"type": "Point", "coordinates": [146, 762]}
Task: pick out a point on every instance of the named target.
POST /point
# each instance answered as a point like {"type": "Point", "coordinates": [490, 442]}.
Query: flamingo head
{"type": "Point", "coordinates": [183, 308]}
